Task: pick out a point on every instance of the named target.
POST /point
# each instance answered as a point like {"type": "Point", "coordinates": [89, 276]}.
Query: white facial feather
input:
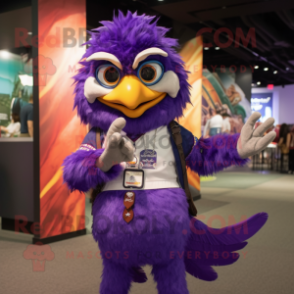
{"type": "Point", "coordinates": [106, 57]}
{"type": "Point", "coordinates": [145, 53]}
{"type": "Point", "coordinates": [92, 89]}
{"type": "Point", "coordinates": [169, 84]}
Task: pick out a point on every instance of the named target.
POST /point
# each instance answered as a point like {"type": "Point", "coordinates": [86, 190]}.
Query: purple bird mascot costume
{"type": "Point", "coordinates": [131, 87]}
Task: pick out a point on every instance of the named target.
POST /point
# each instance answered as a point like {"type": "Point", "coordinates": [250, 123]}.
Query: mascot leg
{"type": "Point", "coordinates": [115, 278]}
{"type": "Point", "coordinates": [171, 277]}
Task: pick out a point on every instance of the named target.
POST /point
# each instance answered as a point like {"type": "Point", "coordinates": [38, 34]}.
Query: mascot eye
{"type": "Point", "coordinates": [150, 72]}
{"type": "Point", "coordinates": [108, 75]}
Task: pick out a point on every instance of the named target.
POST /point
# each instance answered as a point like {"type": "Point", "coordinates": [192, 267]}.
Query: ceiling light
{"type": "Point", "coordinates": [287, 68]}
{"type": "Point", "coordinates": [275, 72]}
{"type": "Point", "coordinates": [258, 83]}
{"type": "Point", "coordinates": [256, 66]}
{"type": "Point", "coordinates": [265, 69]}
{"type": "Point", "coordinates": [206, 48]}
{"type": "Point", "coordinates": [4, 54]}
{"type": "Point", "coordinates": [216, 48]}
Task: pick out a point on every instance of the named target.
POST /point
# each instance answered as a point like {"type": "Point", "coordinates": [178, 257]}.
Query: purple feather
{"type": "Point", "coordinates": [125, 37]}
{"type": "Point", "coordinates": [81, 173]}
{"type": "Point", "coordinates": [214, 154]}
{"type": "Point", "coordinates": [205, 273]}
{"type": "Point", "coordinates": [210, 247]}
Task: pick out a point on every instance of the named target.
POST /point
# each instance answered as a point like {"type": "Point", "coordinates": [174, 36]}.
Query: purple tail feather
{"type": "Point", "coordinates": [209, 247]}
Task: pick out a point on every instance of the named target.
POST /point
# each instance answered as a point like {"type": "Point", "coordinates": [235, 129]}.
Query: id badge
{"type": "Point", "coordinates": [148, 159]}
{"type": "Point", "coordinates": [133, 178]}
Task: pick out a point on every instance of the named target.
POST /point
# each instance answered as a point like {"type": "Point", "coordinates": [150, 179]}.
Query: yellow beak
{"type": "Point", "coordinates": [132, 97]}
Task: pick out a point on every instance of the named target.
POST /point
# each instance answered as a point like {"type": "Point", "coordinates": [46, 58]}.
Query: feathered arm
{"type": "Point", "coordinates": [80, 170]}
{"type": "Point", "coordinates": [214, 154]}
{"type": "Point", "coordinates": [89, 167]}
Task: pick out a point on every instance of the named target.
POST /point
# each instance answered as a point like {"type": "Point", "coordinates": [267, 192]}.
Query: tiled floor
{"type": "Point", "coordinates": [265, 266]}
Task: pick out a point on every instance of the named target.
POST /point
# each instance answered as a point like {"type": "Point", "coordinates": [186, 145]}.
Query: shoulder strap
{"type": "Point", "coordinates": [177, 137]}
{"type": "Point", "coordinates": [98, 139]}
{"type": "Point", "coordinates": [98, 188]}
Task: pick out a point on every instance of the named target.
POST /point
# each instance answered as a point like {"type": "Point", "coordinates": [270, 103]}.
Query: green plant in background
{"type": "Point", "coordinates": [4, 109]}
{"type": "Point", "coordinates": [5, 101]}
{"type": "Point", "coordinates": [17, 87]}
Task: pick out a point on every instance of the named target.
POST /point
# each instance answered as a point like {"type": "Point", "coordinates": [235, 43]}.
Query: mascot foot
{"type": "Point", "coordinates": [115, 279]}
{"type": "Point", "coordinates": [171, 277]}
{"type": "Point", "coordinates": [138, 275]}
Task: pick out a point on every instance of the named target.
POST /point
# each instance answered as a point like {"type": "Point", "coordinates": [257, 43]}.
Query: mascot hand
{"type": "Point", "coordinates": [117, 148]}
{"type": "Point", "coordinates": [252, 141]}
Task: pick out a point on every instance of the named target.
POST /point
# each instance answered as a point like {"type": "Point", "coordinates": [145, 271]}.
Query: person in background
{"type": "Point", "coordinates": [284, 130]}
{"type": "Point", "coordinates": [215, 124]}
{"type": "Point", "coordinates": [206, 119]}
{"type": "Point", "coordinates": [277, 130]}
{"type": "Point", "coordinates": [226, 120]}
{"type": "Point", "coordinates": [13, 129]}
{"type": "Point", "coordinates": [290, 145]}
{"type": "Point", "coordinates": [26, 119]}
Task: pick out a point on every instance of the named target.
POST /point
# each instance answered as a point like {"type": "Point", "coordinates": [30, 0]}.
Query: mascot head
{"type": "Point", "coordinates": [131, 70]}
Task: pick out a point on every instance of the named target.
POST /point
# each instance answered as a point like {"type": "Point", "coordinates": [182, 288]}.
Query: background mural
{"type": "Point", "coordinates": [62, 25]}
{"type": "Point", "coordinates": [192, 53]}
{"type": "Point", "coordinates": [223, 93]}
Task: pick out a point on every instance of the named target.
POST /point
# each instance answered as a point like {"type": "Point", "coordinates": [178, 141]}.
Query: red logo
{"type": "Point", "coordinates": [38, 254]}
{"type": "Point", "coordinates": [44, 66]}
